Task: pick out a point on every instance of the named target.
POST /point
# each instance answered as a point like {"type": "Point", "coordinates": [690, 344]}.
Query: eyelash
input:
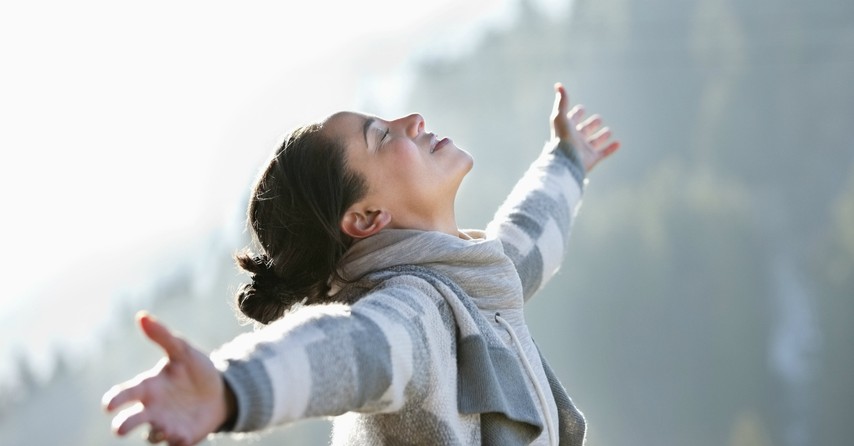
{"type": "Point", "coordinates": [385, 134]}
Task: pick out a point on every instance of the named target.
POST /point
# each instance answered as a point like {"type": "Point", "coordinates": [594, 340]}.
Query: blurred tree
{"type": "Point", "coordinates": [834, 263]}
{"type": "Point", "coordinates": [749, 430]}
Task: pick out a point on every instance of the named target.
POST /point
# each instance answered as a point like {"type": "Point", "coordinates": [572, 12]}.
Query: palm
{"type": "Point", "coordinates": [183, 399]}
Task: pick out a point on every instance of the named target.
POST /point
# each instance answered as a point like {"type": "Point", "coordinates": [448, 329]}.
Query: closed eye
{"type": "Point", "coordinates": [382, 137]}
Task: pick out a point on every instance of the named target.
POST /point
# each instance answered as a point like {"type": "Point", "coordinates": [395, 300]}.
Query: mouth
{"type": "Point", "coordinates": [436, 144]}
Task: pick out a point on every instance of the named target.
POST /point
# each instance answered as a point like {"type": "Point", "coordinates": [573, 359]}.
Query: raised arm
{"type": "Point", "coordinates": [535, 220]}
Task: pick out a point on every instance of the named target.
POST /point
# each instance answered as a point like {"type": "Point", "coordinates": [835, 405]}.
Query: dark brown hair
{"type": "Point", "coordinates": [294, 216]}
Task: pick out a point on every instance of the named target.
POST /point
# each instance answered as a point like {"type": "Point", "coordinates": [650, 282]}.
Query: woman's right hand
{"type": "Point", "coordinates": [182, 398]}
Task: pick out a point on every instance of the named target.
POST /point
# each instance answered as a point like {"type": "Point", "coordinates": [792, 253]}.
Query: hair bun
{"type": "Point", "coordinates": [262, 271]}
{"type": "Point", "coordinates": [260, 299]}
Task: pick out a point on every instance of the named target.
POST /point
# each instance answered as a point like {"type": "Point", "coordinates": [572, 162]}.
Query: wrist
{"type": "Point", "coordinates": [230, 408]}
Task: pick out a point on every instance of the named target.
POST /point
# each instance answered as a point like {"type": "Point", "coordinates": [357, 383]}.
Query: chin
{"type": "Point", "coordinates": [469, 161]}
{"type": "Point", "coordinates": [466, 158]}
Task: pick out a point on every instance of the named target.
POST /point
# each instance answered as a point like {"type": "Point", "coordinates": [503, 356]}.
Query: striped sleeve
{"type": "Point", "coordinates": [534, 221]}
{"type": "Point", "coordinates": [325, 360]}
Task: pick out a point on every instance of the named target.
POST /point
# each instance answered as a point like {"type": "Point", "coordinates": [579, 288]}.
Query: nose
{"type": "Point", "coordinates": [413, 124]}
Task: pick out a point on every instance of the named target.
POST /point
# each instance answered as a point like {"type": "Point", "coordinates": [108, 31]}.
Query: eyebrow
{"type": "Point", "coordinates": [365, 127]}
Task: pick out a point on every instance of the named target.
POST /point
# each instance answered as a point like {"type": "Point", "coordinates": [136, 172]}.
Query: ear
{"type": "Point", "coordinates": [360, 223]}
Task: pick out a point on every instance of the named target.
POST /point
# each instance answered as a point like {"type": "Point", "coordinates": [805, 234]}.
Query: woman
{"type": "Point", "coordinates": [378, 309]}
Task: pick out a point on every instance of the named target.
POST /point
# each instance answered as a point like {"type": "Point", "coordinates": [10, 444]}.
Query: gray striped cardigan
{"type": "Point", "coordinates": [428, 344]}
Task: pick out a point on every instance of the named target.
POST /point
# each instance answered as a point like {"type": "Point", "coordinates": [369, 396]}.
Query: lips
{"type": "Point", "coordinates": [436, 145]}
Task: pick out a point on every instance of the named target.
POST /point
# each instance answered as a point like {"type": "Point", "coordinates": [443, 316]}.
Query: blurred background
{"type": "Point", "coordinates": [708, 295]}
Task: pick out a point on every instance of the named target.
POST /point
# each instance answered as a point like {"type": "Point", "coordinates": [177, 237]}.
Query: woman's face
{"type": "Point", "coordinates": [411, 173]}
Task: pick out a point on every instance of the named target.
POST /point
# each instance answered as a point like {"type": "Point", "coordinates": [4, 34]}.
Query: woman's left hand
{"type": "Point", "coordinates": [591, 140]}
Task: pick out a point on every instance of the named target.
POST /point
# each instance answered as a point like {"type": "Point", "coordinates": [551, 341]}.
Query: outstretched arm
{"type": "Point", "coordinates": [321, 360]}
{"type": "Point", "coordinates": [534, 222]}
{"type": "Point", "coordinates": [183, 398]}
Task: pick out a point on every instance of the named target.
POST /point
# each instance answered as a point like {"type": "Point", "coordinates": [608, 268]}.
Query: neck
{"type": "Point", "coordinates": [446, 224]}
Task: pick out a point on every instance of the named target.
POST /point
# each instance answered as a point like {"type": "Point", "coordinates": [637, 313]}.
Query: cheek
{"type": "Point", "coordinates": [407, 163]}
{"type": "Point", "coordinates": [398, 172]}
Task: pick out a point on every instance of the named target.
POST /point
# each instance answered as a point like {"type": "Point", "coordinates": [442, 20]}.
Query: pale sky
{"type": "Point", "coordinates": [131, 128]}
{"type": "Point", "coordinates": [116, 116]}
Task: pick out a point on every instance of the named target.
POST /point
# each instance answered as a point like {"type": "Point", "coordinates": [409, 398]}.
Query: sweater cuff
{"type": "Point", "coordinates": [230, 408]}
{"type": "Point", "coordinates": [568, 156]}
{"type": "Point", "coordinates": [253, 394]}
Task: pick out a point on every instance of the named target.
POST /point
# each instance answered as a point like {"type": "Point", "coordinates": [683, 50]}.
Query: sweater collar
{"type": "Point", "coordinates": [393, 247]}
{"type": "Point", "coordinates": [477, 263]}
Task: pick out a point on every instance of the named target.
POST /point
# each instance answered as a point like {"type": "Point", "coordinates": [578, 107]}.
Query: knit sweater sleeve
{"type": "Point", "coordinates": [534, 221]}
{"type": "Point", "coordinates": [324, 360]}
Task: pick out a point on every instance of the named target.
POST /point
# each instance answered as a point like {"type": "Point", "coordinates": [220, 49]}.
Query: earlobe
{"type": "Point", "coordinates": [361, 224]}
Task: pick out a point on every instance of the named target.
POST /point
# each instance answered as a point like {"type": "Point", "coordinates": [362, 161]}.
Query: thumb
{"type": "Point", "coordinates": [560, 121]}
{"type": "Point", "coordinates": [174, 347]}
{"type": "Point", "coordinates": [561, 103]}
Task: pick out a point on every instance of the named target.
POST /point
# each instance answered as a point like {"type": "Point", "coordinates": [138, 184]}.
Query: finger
{"type": "Point", "coordinates": [156, 435]}
{"type": "Point", "coordinates": [558, 115]}
{"type": "Point", "coordinates": [561, 99]}
{"type": "Point", "coordinates": [174, 347]}
{"type": "Point", "coordinates": [600, 137]}
{"type": "Point", "coordinates": [117, 397]}
{"type": "Point", "coordinates": [132, 390]}
{"type": "Point", "coordinates": [129, 419]}
{"type": "Point", "coordinates": [560, 124]}
{"type": "Point", "coordinates": [590, 125]}
{"type": "Point", "coordinates": [610, 149]}
{"type": "Point", "coordinates": [576, 114]}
